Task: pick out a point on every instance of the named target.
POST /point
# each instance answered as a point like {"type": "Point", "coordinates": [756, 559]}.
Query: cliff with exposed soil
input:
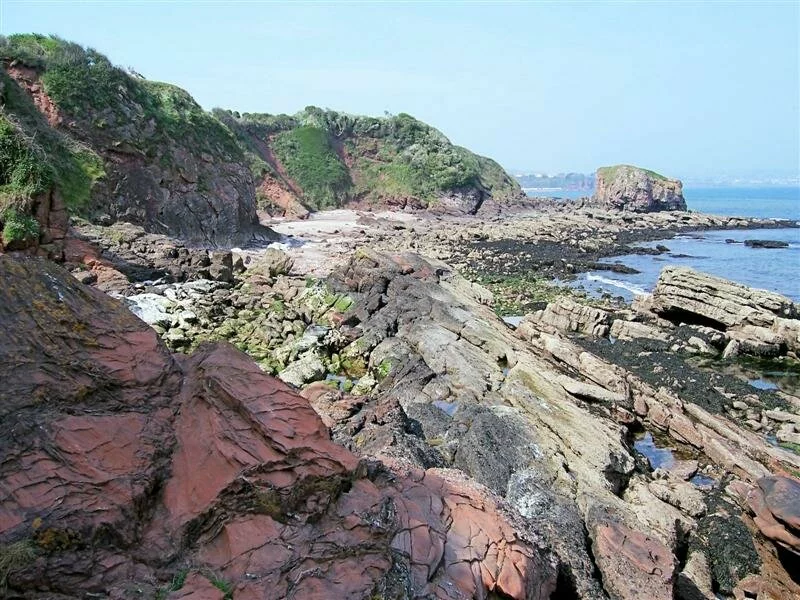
{"type": "Point", "coordinates": [115, 146]}
{"type": "Point", "coordinates": [81, 136]}
{"type": "Point", "coordinates": [322, 158]}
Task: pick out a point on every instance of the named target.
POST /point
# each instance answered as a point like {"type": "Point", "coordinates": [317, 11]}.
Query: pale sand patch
{"type": "Point", "coordinates": [327, 239]}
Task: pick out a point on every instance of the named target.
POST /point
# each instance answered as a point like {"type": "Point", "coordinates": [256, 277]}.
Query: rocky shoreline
{"type": "Point", "coordinates": [519, 446]}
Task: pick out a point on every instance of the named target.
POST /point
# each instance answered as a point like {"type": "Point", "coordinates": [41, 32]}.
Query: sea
{"type": "Point", "coordinates": [720, 253]}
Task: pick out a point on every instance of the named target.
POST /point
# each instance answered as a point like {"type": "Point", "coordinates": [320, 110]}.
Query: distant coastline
{"type": "Point", "coordinates": [740, 200]}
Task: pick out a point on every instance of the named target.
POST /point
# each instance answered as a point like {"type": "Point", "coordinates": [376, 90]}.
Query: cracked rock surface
{"type": "Point", "coordinates": [128, 472]}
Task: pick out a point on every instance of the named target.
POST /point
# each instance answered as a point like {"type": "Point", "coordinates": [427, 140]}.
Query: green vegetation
{"type": "Point", "coordinates": [84, 84]}
{"type": "Point", "coordinates": [496, 181]}
{"type": "Point", "coordinates": [343, 304]}
{"type": "Point", "coordinates": [23, 171]}
{"type": "Point", "coordinates": [331, 156]}
{"type": "Point", "coordinates": [392, 179]}
{"type": "Point", "coordinates": [401, 156]}
{"type": "Point", "coordinates": [222, 585]}
{"type": "Point", "coordinates": [177, 583]}
{"type": "Point", "coordinates": [310, 159]}
{"type": "Point", "coordinates": [15, 556]}
{"type": "Point", "coordinates": [391, 157]}
{"type": "Point", "coordinates": [791, 446]}
{"type": "Point", "coordinates": [75, 78]}
{"type": "Point", "coordinates": [34, 158]}
{"type": "Point", "coordinates": [181, 119]}
{"type": "Point", "coordinates": [383, 369]}
{"type": "Point", "coordinates": [520, 294]}
{"type": "Point", "coordinates": [609, 173]}
{"type": "Point", "coordinates": [18, 227]}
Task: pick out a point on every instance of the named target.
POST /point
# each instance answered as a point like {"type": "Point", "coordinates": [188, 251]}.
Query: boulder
{"type": "Point", "coordinates": [633, 564]}
{"type": "Point", "coordinates": [630, 330]}
{"type": "Point", "coordinates": [681, 292]}
{"type": "Point", "coordinates": [566, 315]}
{"type": "Point", "coordinates": [272, 262]}
{"type": "Point", "coordinates": [755, 321]}
{"type": "Point", "coordinates": [624, 187]}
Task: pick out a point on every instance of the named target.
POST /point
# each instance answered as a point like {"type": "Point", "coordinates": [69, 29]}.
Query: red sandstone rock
{"type": "Point", "coordinates": [775, 504]}
{"type": "Point", "coordinates": [782, 495]}
{"type": "Point", "coordinates": [633, 564]}
{"type": "Point", "coordinates": [123, 466]}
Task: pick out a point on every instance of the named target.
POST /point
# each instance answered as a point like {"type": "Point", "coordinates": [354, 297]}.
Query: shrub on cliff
{"type": "Point", "coordinates": [34, 158]}
{"type": "Point", "coordinates": [85, 84]}
{"type": "Point", "coordinates": [18, 227]}
{"type": "Point", "coordinates": [310, 159]}
{"type": "Point", "coordinates": [168, 164]}
{"type": "Point", "coordinates": [23, 170]}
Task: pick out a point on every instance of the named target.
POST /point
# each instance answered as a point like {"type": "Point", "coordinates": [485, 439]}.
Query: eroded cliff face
{"type": "Point", "coordinates": [116, 147]}
{"type": "Point", "coordinates": [320, 159]}
{"type": "Point", "coordinates": [624, 187]}
{"type": "Point", "coordinates": [130, 472]}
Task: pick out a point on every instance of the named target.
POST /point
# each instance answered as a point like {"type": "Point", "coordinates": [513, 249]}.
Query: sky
{"type": "Point", "coordinates": [684, 88]}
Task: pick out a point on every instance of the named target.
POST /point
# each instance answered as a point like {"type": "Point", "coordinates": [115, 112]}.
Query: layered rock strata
{"type": "Point", "coordinates": [128, 471]}
{"type": "Point", "coordinates": [628, 188]}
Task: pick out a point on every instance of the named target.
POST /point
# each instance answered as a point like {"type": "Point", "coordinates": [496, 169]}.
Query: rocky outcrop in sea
{"type": "Point", "coordinates": [624, 187]}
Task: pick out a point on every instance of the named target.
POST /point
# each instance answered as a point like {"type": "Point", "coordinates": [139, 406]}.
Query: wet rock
{"type": "Point", "coordinates": [766, 244]}
{"type": "Point", "coordinates": [682, 470]}
{"type": "Point", "coordinates": [776, 506]}
{"type": "Point", "coordinates": [153, 309]}
{"type": "Point", "coordinates": [728, 546]}
{"type": "Point", "coordinates": [683, 496]}
{"type": "Point", "coordinates": [306, 369]}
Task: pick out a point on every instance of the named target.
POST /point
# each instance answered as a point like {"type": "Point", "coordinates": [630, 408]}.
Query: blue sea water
{"type": "Point", "coordinates": [782, 202]}
{"type": "Point", "coordinates": [776, 270]}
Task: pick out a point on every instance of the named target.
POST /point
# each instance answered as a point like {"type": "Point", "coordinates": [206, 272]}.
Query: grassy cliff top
{"type": "Point", "coordinates": [393, 155]}
{"type": "Point", "coordinates": [115, 103]}
{"type": "Point", "coordinates": [332, 156]}
{"type": "Point", "coordinates": [610, 173]}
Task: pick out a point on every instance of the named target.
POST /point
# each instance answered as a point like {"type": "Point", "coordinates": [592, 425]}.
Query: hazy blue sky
{"type": "Point", "coordinates": [684, 88]}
